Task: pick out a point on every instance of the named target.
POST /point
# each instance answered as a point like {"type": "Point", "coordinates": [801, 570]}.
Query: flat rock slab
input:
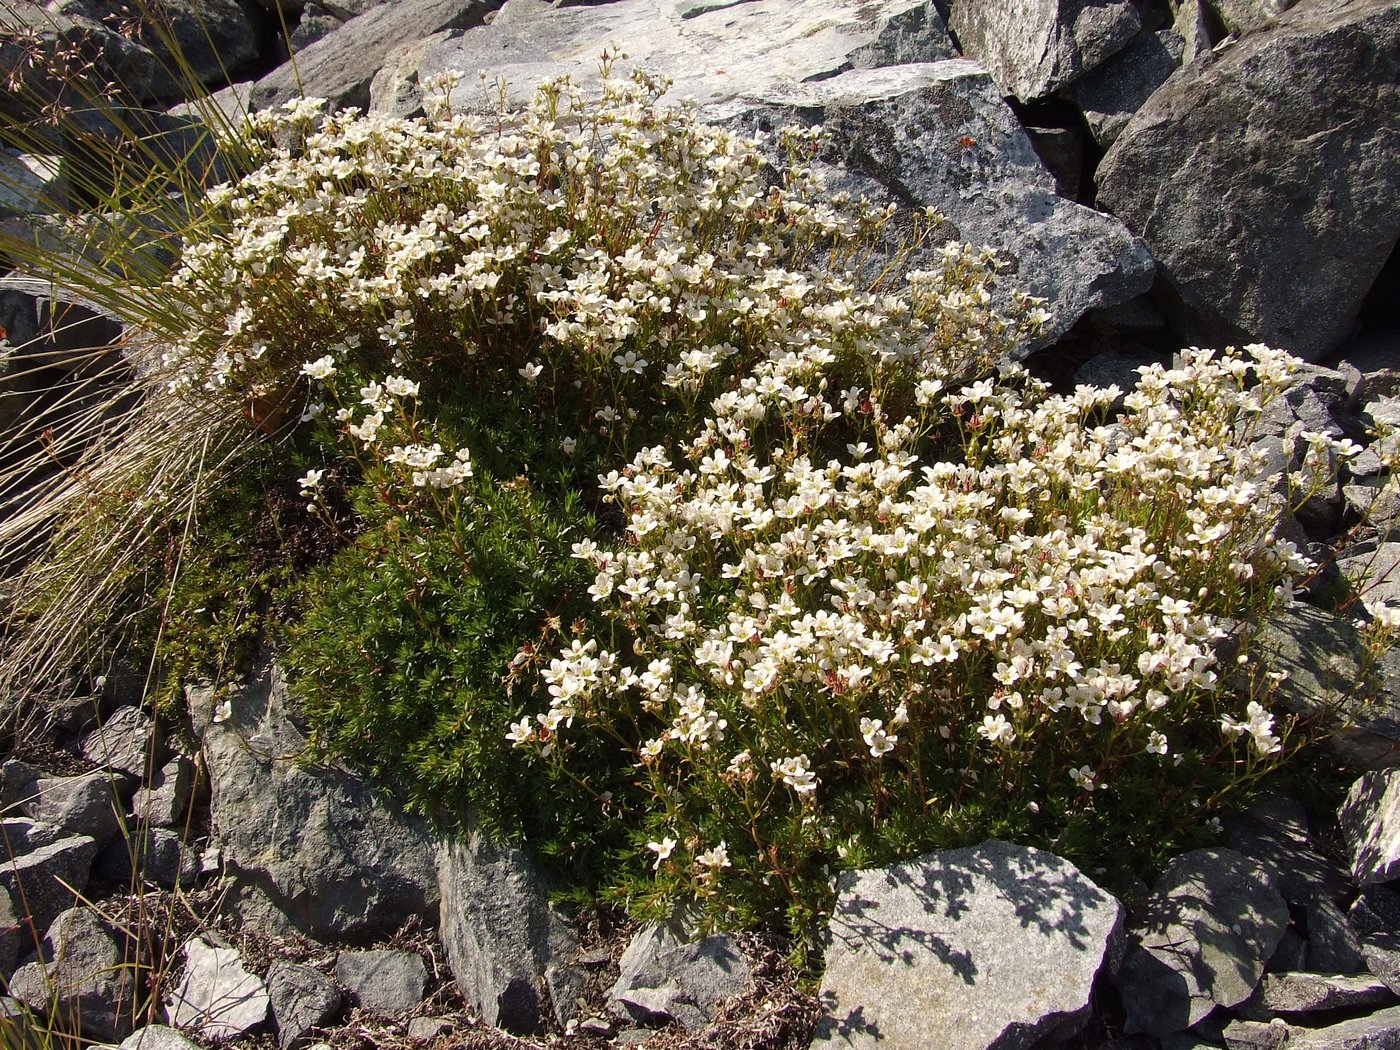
{"type": "Point", "coordinates": [1302, 993]}
{"type": "Point", "coordinates": [382, 981]}
{"type": "Point", "coordinates": [129, 742]}
{"type": "Point", "coordinates": [1035, 47]}
{"type": "Point", "coordinates": [157, 1037]}
{"type": "Point", "coordinates": [1263, 177]}
{"type": "Point", "coordinates": [1370, 823]}
{"type": "Point", "coordinates": [1376, 1031]}
{"type": "Point", "coordinates": [49, 878]}
{"type": "Point", "coordinates": [713, 53]}
{"type": "Point", "coordinates": [1374, 576]}
{"type": "Point", "coordinates": [303, 999]}
{"type": "Point", "coordinates": [665, 976]}
{"type": "Point", "coordinates": [216, 995]}
{"type": "Point", "coordinates": [1212, 922]}
{"type": "Point", "coordinates": [992, 946]}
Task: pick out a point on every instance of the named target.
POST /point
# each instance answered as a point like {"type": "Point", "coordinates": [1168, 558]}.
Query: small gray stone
{"type": "Point", "coordinates": [665, 977]}
{"type": "Point", "coordinates": [129, 742]}
{"type": "Point", "coordinates": [1375, 577]}
{"type": "Point", "coordinates": [1375, 916]}
{"type": "Point", "coordinates": [1377, 1031]}
{"type": "Point", "coordinates": [216, 995]}
{"type": "Point", "coordinates": [499, 931]}
{"type": "Point", "coordinates": [997, 945]}
{"type": "Point", "coordinates": [383, 981]}
{"type": "Point", "coordinates": [157, 1037]}
{"type": "Point", "coordinates": [88, 974]}
{"type": "Point", "coordinates": [1212, 922]}
{"type": "Point", "coordinates": [155, 856]}
{"type": "Point", "coordinates": [17, 783]}
{"type": "Point", "coordinates": [303, 999]}
{"type": "Point", "coordinates": [166, 801]}
{"type": "Point", "coordinates": [87, 804]}
{"type": "Point", "coordinates": [48, 877]}
{"type": "Point", "coordinates": [9, 934]}
{"type": "Point", "coordinates": [1034, 47]}
{"type": "Point", "coordinates": [1255, 1035]}
{"type": "Point", "coordinates": [426, 1029]}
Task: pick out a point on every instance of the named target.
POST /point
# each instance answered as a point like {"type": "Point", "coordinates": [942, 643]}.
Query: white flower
{"type": "Point", "coordinates": [662, 849]}
{"type": "Point", "coordinates": [520, 732]}
{"type": "Point", "coordinates": [401, 386]}
{"type": "Point", "coordinates": [310, 480]}
{"type": "Point", "coordinates": [997, 729]}
{"type": "Point", "coordinates": [530, 371]}
{"type": "Point", "coordinates": [1157, 743]}
{"type": "Point", "coordinates": [794, 773]}
{"type": "Point", "coordinates": [321, 368]}
{"type": "Point", "coordinates": [712, 860]}
{"type": "Point", "coordinates": [568, 445]}
{"type": "Point", "coordinates": [1083, 778]}
{"type": "Point", "coordinates": [879, 741]}
{"type": "Point", "coordinates": [1259, 724]}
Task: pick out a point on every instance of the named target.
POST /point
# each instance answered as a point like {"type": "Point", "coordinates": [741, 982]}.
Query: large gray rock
{"type": "Point", "coordinates": [1302, 993]}
{"type": "Point", "coordinates": [1325, 670]}
{"type": "Point", "coordinates": [938, 135]}
{"type": "Point", "coordinates": [339, 66]}
{"type": "Point", "coordinates": [87, 804]}
{"type": "Point", "coordinates": [308, 848]}
{"type": "Point", "coordinates": [129, 742]}
{"type": "Point", "coordinates": [198, 42]}
{"type": "Point", "coordinates": [302, 1000]}
{"type": "Point", "coordinates": [1376, 1031]}
{"type": "Point", "coordinates": [499, 931]}
{"type": "Point", "coordinates": [665, 976]}
{"type": "Point", "coordinates": [1245, 16]}
{"type": "Point", "coordinates": [383, 981]}
{"type": "Point", "coordinates": [88, 976]}
{"type": "Point", "coordinates": [1111, 94]}
{"type": "Point", "coordinates": [714, 53]}
{"type": "Point", "coordinates": [1274, 833]}
{"type": "Point", "coordinates": [47, 878]}
{"type": "Point", "coordinates": [992, 946]}
{"type": "Point", "coordinates": [216, 995]}
{"type": "Point", "coordinates": [1035, 47]}
{"type": "Point", "coordinates": [1263, 177]}
{"type": "Point", "coordinates": [31, 184]}
{"type": "Point", "coordinates": [1375, 575]}
{"type": "Point", "coordinates": [1212, 922]}
{"type": "Point", "coordinates": [1370, 824]}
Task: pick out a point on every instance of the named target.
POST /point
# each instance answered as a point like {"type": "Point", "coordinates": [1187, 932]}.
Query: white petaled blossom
{"type": "Point", "coordinates": [1084, 778]}
{"type": "Point", "coordinates": [401, 386]}
{"type": "Point", "coordinates": [711, 861]}
{"type": "Point", "coordinates": [794, 772]}
{"type": "Point", "coordinates": [1157, 743]}
{"type": "Point", "coordinates": [321, 368]}
{"type": "Point", "coordinates": [311, 480]}
{"type": "Point", "coordinates": [663, 850]}
{"type": "Point", "coordinates": [873, 733]}
{"type": "Point", "coordinates": [1259, 725]}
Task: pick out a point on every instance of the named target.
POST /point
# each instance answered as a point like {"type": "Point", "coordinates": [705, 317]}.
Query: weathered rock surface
{"type": "Point", "coordinates": [128, 742]}
{"type": "Point", "coordinates": [153, 856]}
{"type": "Point", "coordinates": [30, 184]}
{"type": "Point", "coordinates": [157, 1037]}
{"type": "Point", "coordinates": [937, 135]}
{"type": "Point", "coordinates": [1245, 16]}
{"type": "Point", "coordinates": [165, 800]}
{"type": "Point", "coordinates": [209, 40]}
{"type": "Point", "coordinates": [383, 981]}
{"type": "Point", "coordinates": [1212, 922]}
{"type": "Point", "coordinates": [312, 848]}
{"type": "Point", "coordinates": [665, 976]}
{"type": "Point", "coordinates": [1265, 182]}
{"type": "Point", "coordinates": [1301, 993]}
{"type": "Point", "coordinates": [340, 66]}
{"type": "Point", "coordinates": [87, 977]}
{"type": "Point", "coordinates": [1111, 94]}
{"type": "Point", "coordinates": [216, 995]}
{"type": "Point", "coordinates": [1370, 824]}
{"type": "Point", "coordinates": [996, 945]}
{"type": "Point", "coordinates": [1329, 674]}
{"type": "Point", "coordinates": [498, 930]}
{"type": "Point", "coordinates": [714, 54]}
{"type": "Point", "coordinates": [46, 877]}
{"type": "Point", "coordinates": [1375, 575]}
{"type": "Point", "coordinates": [86, 804]}
{"type": "Point", "coordinates": [1034, 47]}
{"type": "Point", "coordinates": [303, 999]}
